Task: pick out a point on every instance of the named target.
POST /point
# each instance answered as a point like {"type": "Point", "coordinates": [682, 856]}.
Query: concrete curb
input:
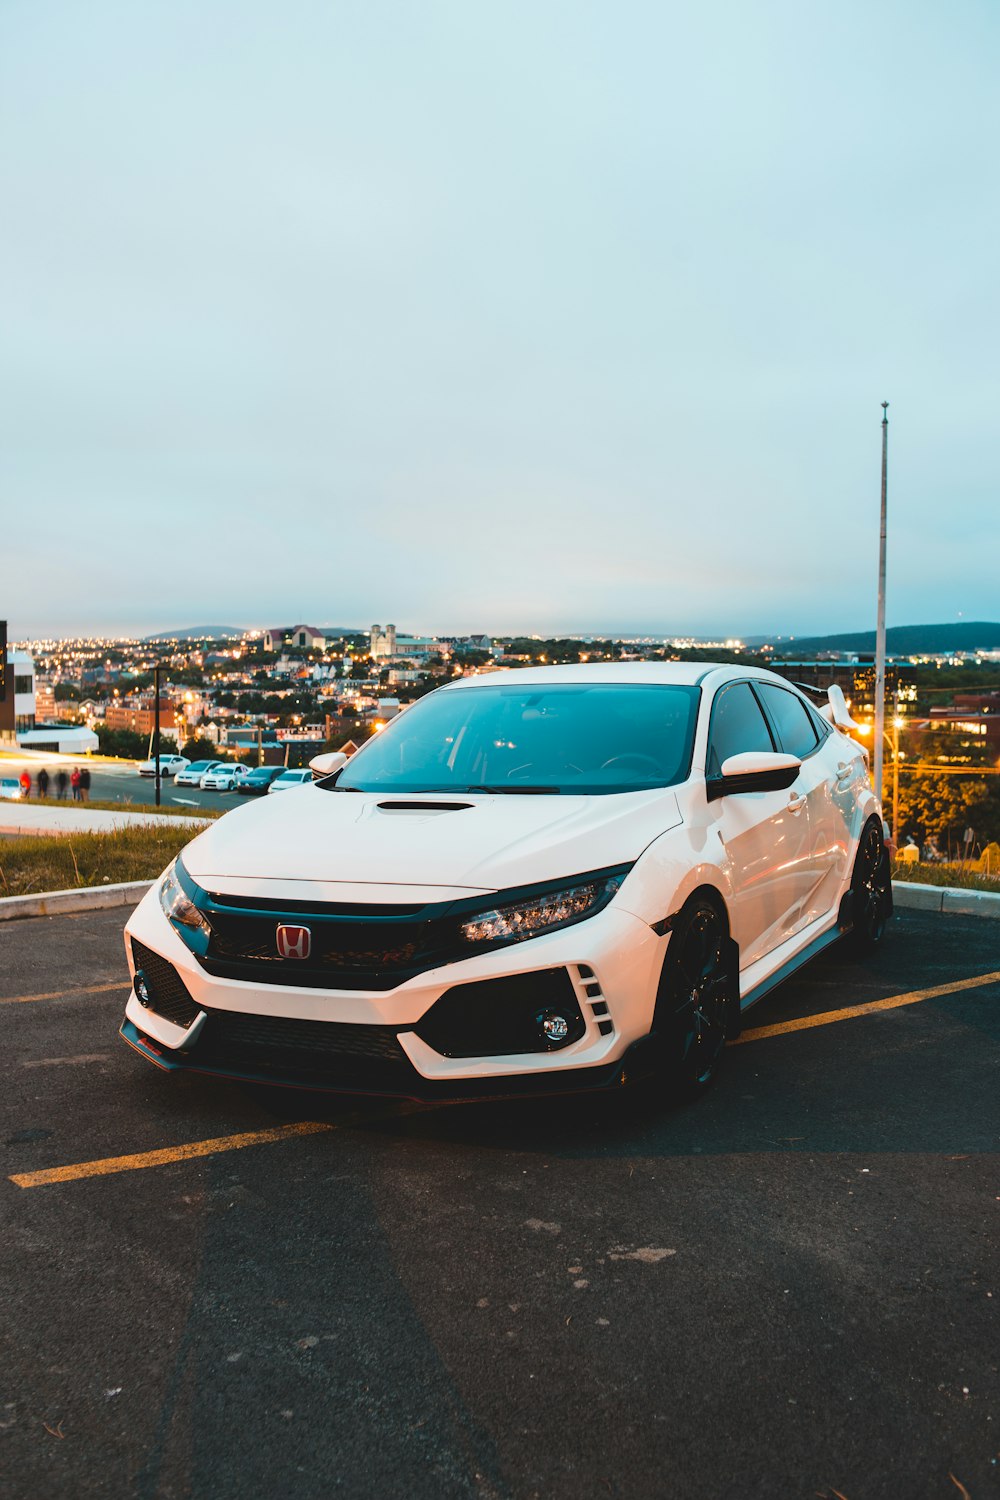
{"type": "Point", "coordinates": [86, 898]}
{"type": "Point", "coordinates": [946, 898]}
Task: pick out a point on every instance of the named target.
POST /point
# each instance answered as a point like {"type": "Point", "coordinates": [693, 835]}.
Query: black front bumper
{"type": "Point", "coordinates": [392, 1077]}
{"type": "Point", "coordinates": [498, 1017]}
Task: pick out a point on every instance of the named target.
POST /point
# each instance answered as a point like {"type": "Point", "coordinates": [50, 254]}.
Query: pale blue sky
{"type": "Point", "coordinates": [533, 315]}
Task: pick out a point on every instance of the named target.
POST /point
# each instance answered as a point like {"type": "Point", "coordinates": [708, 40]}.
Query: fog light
{"type": "Point", "coordinates": [142, 990]}
{"type": "Point", "coordinates": [555, 1028]}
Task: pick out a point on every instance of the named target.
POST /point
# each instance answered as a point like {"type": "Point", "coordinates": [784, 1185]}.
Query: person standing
{"type": "Point", "coordinates": [43, 782]}
{"type": "Point", "coordinates": [62, 782]}
{"type": "Point", "coordinates": [85, 785]}
{"type": "Point", "coordinates": [25, 780]}
{"type": "Point", "coordinates": [74, 782]}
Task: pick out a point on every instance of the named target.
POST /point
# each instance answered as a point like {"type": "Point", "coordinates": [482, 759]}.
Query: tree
{"type": "Point", "coordinates": [935, 804]}
{"type": "Point", "coordinates": [196, 749]}
{"type": "Point", "coordinates": [129, 744]}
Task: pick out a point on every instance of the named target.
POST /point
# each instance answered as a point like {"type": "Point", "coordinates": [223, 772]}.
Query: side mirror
{"type": "Point", "coordinates": [325, 765]}
{"type": "Point", "coordinates": [754, 771]}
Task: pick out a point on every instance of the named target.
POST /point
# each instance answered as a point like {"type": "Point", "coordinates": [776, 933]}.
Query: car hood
{"type": "Point", "coordinates": [464, 844]}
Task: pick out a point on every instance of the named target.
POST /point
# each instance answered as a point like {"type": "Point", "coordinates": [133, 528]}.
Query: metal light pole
{"type": "Point", "coordinates": [880, 627]}
{"type": "Point", "coordinates": [156, 728]}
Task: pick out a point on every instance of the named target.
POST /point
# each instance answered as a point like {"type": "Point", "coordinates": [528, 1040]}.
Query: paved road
{"type": "Point", "coordinates": [124, 784]}
{"type": "Point", "coordinates": [789, 1290]}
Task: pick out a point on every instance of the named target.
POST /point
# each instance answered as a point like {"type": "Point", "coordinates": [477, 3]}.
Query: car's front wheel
{"type": "Point", "coordinates": [695, 999]}
{"type": "Point", "coordinates": [871, 889]}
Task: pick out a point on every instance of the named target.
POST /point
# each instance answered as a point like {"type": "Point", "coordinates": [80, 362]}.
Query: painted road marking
{"type": "Point", "coordinates": [110, 1164]}
{"type": "Point", "coordinates": [893, 1002]}
{"type": "Point", "coordinates": [90, 989]}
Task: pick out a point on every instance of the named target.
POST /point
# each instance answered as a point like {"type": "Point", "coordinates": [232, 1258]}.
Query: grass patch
{"type": "Point", "coordinates": [959, 876]}
{"type": "Point", "coordinates": [30, 865]}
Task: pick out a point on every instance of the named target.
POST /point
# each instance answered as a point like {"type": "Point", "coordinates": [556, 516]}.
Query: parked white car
{"type": "Point", "coordinates": [547, 879]}
{"type": "Point", "coordinates": [169, 766]}
{"type": "Point", "coordinates": [10, 787]}
{"type": "Point", "coordinates": [289, 779]}
{"type": "Point", "coordinates": [192, 774]}
{"type": "Point", "coordinates": [223, 778]}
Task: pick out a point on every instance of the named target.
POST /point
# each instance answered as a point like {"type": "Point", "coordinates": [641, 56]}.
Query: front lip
{"type": "Point", "coordinates": [637, 1061]}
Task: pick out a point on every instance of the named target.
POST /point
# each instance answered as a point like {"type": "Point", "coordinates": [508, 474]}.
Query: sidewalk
{"type": "Point", "coordinates": [24, 818]}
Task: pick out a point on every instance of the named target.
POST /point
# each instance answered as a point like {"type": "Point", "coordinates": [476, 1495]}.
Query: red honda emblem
{"type": "Point", "coordinates": [294, 942]}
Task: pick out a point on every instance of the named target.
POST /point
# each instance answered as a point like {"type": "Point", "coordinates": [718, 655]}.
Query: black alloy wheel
{"type": "Point", "coordinates": [694, 999]}
{"type": "Point", "coordinates": [871, 888]}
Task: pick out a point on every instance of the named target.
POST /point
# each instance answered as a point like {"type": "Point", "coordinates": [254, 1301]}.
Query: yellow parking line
{"type": "Point", "coordinates": [89, 989]}
{"type": "Point", "coordinates": [893, 1002]}
{"type": "Point", "coordinates": [162, 1158]}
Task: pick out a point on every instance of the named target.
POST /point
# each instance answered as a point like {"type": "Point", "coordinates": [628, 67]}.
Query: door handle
{"type": "Point", "coordinates": [844, 772]}
{"type": "Point", "coordinates": [796, 803]}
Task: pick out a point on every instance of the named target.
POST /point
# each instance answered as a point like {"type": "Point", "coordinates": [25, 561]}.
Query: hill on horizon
{"type": "Point", "coordinates": [901, 640]}
{"type": "Point", "coordinates": [200, 633]}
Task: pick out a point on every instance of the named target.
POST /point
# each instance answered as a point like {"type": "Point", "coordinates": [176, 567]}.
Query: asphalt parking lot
{"type": "Point", "coordinates": [110, 783]}
{"type": "Point", "coordinates": [791, 1289]}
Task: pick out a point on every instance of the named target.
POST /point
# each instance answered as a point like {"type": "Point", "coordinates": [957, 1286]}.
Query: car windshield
{"type": "Point", "coordinates": [584, 739]}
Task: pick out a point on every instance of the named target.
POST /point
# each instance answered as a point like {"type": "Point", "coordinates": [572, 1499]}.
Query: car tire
{"type": "Point", "coordinates": [696, 999]}
{"type": "Point", "coordinates": [871, 889]}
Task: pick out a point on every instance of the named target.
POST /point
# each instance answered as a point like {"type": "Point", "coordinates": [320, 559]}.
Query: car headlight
{"type": "Point", "coordinates": [176, 903]}
{"type": "Point", "coordinates": [532, 915]}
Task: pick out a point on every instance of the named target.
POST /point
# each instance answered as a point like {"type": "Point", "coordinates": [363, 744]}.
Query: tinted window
{"type": "Point", "coordinates": [737, 726]}
{"type": "Point", "coordinates": [796, 732]}
{"type": "Point", "coordinates": [585, 738]}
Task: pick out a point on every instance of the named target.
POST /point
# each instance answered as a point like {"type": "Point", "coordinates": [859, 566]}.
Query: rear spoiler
{"type": "Point", "coordinates": [832, 705]}
{"type": "Point", "coordinates": [837, 711]}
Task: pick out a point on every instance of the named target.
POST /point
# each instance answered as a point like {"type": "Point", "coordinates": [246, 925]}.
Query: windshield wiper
{"type": "Point", "coordinates": [516, 791]}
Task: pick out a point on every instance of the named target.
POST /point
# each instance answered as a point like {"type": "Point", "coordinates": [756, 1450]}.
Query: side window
{"type": "Point", "coordinates": [737, 725]}
{"type": "Point", "coordinates": [796, 731]}
{"type": "Point", "coordinates": [821, 725]}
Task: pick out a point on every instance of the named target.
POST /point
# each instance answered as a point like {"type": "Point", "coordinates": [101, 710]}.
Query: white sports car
{"type": "Point", "coordinates": [538, 880]}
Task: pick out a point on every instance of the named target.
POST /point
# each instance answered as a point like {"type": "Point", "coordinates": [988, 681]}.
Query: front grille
{"type": "Point", "coordinates": [307, 1048]}
{"type": "Point", "coordinates": [167, 991]}
{"type": "Point", "coordinates": [347, 953]}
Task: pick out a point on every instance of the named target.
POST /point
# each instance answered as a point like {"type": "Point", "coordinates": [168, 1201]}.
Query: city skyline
{"type": "Point", "coordinates": [535, 320]}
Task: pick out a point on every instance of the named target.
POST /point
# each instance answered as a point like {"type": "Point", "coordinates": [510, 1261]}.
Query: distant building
{"type": "Point", "coordinates": [983, 726]}
{"type": "Point", "coordinates": [139, 715]}
{"type": "Point", "coordinates": [45, 702]}
{"type": "Point", "coordinates": [307, 638]}
{"type": "Point", "coordinates": [21, 669]}
{"type": "Point", "coordinates": [63, 739]}
{"type": "Point", "coordinates": [382, 642]}
{"type": "Point", "coordinates": [855, 678]}
{"type": "Point", "coordinates": [302, 637]}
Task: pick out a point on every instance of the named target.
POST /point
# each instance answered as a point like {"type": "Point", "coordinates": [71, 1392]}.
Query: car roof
{"type": "Point", "coordinates": [680, 673]}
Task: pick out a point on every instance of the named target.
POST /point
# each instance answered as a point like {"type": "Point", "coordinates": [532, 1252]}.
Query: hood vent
{"type": "Point", "coordinates": [423, 807]}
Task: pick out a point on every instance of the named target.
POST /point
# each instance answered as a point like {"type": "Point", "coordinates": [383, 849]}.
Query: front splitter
{"type": "Point", "coordinates": [636, 1062]}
